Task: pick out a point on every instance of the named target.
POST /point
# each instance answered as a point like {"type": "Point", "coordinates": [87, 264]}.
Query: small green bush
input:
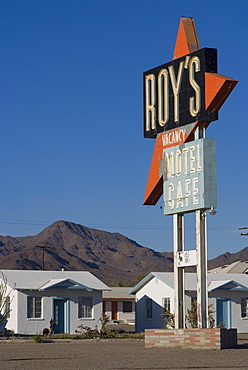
{"type": "Point", "coordinates": [37, 339]}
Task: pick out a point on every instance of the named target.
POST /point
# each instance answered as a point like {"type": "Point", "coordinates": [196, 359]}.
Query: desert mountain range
{"type": "Point", "coordinates": [112, 257]}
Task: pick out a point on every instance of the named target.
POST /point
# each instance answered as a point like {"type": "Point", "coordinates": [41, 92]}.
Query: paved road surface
{"type": "Point", "coordinates": [115, 354]}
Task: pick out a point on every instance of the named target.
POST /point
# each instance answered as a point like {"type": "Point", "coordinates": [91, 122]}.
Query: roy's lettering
{"type": "Point", "coordinates": [174, 93]}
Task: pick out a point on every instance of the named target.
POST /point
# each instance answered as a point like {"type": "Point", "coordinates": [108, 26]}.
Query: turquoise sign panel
{"type": "Point", "coordinates": [189, 176]}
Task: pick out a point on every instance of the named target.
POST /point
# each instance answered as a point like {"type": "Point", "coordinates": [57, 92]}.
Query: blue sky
{"type": "Point", "coordinates": [72, 145]}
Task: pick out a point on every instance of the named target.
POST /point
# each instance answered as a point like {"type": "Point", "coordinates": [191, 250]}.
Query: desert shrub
{"type": "Point", "coordinates": [169, 319]}
{"type": "Point", "coordinates": [8, 333]}
{"type": "Point", "coordinates": [85, 332]}
{"type": "Point", "coordinates": [95, 333]}
{"type": "Point", "coordinates": [191, 317]}
{"type": "Point", "coordinates": [88, 332]}
{"type": "Point", "coordinates": [105, 332]}
{"type": "Point", "coordinates": [126, 335]}
{"type": "Point", "coordinates": [113, 335]}
{"type": "Point", "coordinates": [4, 308]}
{"type": "Point", "coordinates": [221, 324]}
{"type": "Point", "coordinates": [210, 316]}
{"type": "Point", "coordinates": [37, 339]}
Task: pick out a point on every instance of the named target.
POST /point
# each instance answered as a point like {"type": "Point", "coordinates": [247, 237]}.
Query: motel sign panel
{"type": "Point", "coordinates": [189, 177]}
{"type": "Point", "coordinates": [174, 93]}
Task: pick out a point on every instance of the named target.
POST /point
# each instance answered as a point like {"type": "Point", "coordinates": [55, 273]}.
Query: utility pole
{"type": "Point", "coordinates": [43, 247]}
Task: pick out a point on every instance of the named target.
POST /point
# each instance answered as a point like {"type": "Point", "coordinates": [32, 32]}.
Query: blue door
{"type": "Point", "coordinates": [59, 315]}
{"type": "Point", "coordinates": [223, 314]}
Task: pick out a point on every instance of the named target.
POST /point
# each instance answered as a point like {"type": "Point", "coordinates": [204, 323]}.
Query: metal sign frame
{"type": "Point", "coordinates": [164, 121]}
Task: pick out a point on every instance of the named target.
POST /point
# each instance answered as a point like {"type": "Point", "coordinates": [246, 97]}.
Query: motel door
{"type": "Point", "coordinates": [104, 308]}
{"type": "Point", "coordinates": [114, 310]}
{"type": "Point", "coordinates": [59, 315]}
{"type": "Point", "coordinates": [223, 314]}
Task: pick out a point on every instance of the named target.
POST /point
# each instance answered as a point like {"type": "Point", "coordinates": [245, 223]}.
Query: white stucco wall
{"type": "Point", "coordinates": [22, 325]}
{"type": "Point", "coordinates": [156, 290]}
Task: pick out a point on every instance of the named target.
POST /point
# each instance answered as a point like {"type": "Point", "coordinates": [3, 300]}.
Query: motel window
{"type": "Point", "coordinates": [84, 307]}
{"type": "Point", "coordinates": [148, 308]}
{"type": "Point", "coordinates": [34, 307]}
{"type": "Point", "coordinates": [127, 306]}
{"type": "Point", "coordinates": [166, 307]}
{"type": "Point", "coordinates": [244, 307]}
{"type": "Point", "coordinates": [166, 304]}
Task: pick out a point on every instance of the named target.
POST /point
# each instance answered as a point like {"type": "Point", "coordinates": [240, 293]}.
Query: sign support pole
{"type": "Point", "coordinates": [201, 257]}
{"type": "Point", "coordinates": [201, 269]}
{"type": "Point", "coordinates": [179, 295]}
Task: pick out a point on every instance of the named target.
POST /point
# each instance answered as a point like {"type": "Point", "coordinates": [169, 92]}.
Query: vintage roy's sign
{"type": "Point", "coordinates": [189, 174]}
{"type": "Point", "coordinates": [174, 93]}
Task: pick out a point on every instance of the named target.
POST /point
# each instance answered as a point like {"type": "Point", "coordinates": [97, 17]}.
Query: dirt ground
{"type": "Point", "coordinates": [116, 354]}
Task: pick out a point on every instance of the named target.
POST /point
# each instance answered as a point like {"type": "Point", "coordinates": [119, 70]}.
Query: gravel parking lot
{"type": "Point", "coordinates": [116, 354]}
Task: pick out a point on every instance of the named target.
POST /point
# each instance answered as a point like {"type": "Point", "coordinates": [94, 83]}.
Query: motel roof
{"type": "Point", "coordinates": [215, 281]}
{"type": "Point", "coordinates": [42, 280]}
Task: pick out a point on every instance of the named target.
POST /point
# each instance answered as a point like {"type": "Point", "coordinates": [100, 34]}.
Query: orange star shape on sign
{"type": "Point", "coordinates": [217, 89]}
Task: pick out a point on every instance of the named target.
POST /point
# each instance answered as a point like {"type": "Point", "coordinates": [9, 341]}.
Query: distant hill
{"type": "Point", "coordinates": [111, 257]}
{"type": "Point", "coordinates": [228, 258]}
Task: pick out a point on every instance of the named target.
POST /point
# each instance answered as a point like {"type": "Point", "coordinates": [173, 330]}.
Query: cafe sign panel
{"type": "Point", "coordinates": [189, 177]}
